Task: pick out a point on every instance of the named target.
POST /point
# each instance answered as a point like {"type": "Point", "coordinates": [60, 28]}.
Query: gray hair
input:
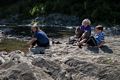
{"type": "Point", "coordinates": [86, 21]}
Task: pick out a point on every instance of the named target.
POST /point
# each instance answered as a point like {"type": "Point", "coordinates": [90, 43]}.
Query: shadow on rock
{"type": "Point", "coordinates": [93, 49]}
{"type": "Point", "coordinates": [106, 49]}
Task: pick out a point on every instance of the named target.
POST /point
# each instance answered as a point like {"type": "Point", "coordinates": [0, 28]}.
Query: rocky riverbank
{"type": "Point", "coordinates": [64, 62]}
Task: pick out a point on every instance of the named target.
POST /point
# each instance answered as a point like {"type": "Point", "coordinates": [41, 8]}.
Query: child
{"type": "Point", "coordinates": [98, 39]}
{"type": "Point", "coordinates": [83, 32]}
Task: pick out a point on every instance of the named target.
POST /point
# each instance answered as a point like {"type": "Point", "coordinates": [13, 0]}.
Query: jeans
{"type": "Point", "coordinates": [38, 50]}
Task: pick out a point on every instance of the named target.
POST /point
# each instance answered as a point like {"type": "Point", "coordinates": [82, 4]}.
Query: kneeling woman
{"type": "Point", "coordinates": [39, 37]}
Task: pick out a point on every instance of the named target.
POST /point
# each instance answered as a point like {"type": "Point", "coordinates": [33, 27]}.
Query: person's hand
{"type": "Point", "coordinates": [98, 46]}
{"type": "Point", "coordinates": [101, 44]}
{"type": "Point", "coordinates": [26, 45]}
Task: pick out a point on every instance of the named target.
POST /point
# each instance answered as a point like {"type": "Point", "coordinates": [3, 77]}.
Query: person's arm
{"type": "Point", "coordinates": [31, 41]}
{"type": "Point", "coordinates": [77, 29]}
{"type": "Point", "coordinates": [83, 35]}
{"type": "Point", "coordinates": [87, 32]}
{"type": "Point", "coordinates": [101, 44]}
{"type": "Point", "coordinates": [101, 37]}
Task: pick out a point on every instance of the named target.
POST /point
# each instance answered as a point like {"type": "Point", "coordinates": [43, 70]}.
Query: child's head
{"type": "Point", "coordinates": [99, 28]}
{"type": "Point", "coordinates": [86, 22]}
{"type": "Point", "coordinates": [35, 28]}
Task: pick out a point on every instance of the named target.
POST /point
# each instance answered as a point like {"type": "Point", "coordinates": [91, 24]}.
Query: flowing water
{"type": "Point", "coordinates": [52, 31]}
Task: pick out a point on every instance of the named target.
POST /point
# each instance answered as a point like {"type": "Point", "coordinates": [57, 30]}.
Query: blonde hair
{"type": "Point", "coordinates": [86, 21]}
{"type": "Point", "coordinates": [35, 25]}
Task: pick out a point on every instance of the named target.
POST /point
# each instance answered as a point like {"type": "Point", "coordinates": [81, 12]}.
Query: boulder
{"type": "Point", "coordinates": [2, 60]}
{"type": "Point", "coordinates": [21, 71]}
{"type": "Point", "coordinates": [50, 67]}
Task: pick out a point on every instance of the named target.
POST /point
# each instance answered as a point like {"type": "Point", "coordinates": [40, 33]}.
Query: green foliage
{"type": "Point", "coordinates": [106, 11]}
{"type": "Point", "coordinates": [37, 9]}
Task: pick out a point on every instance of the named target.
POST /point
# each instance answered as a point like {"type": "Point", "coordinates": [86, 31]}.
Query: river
{"type": "Point", "coordinates": [52, 31]}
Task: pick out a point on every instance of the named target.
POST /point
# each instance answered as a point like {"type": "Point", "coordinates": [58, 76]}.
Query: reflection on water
{"type": "Point", "coordinates": [52, 31]}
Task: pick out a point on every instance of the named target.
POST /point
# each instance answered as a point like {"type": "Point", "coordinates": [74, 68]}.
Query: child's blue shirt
{"type": "Point", "coordinates": [100, 37]}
